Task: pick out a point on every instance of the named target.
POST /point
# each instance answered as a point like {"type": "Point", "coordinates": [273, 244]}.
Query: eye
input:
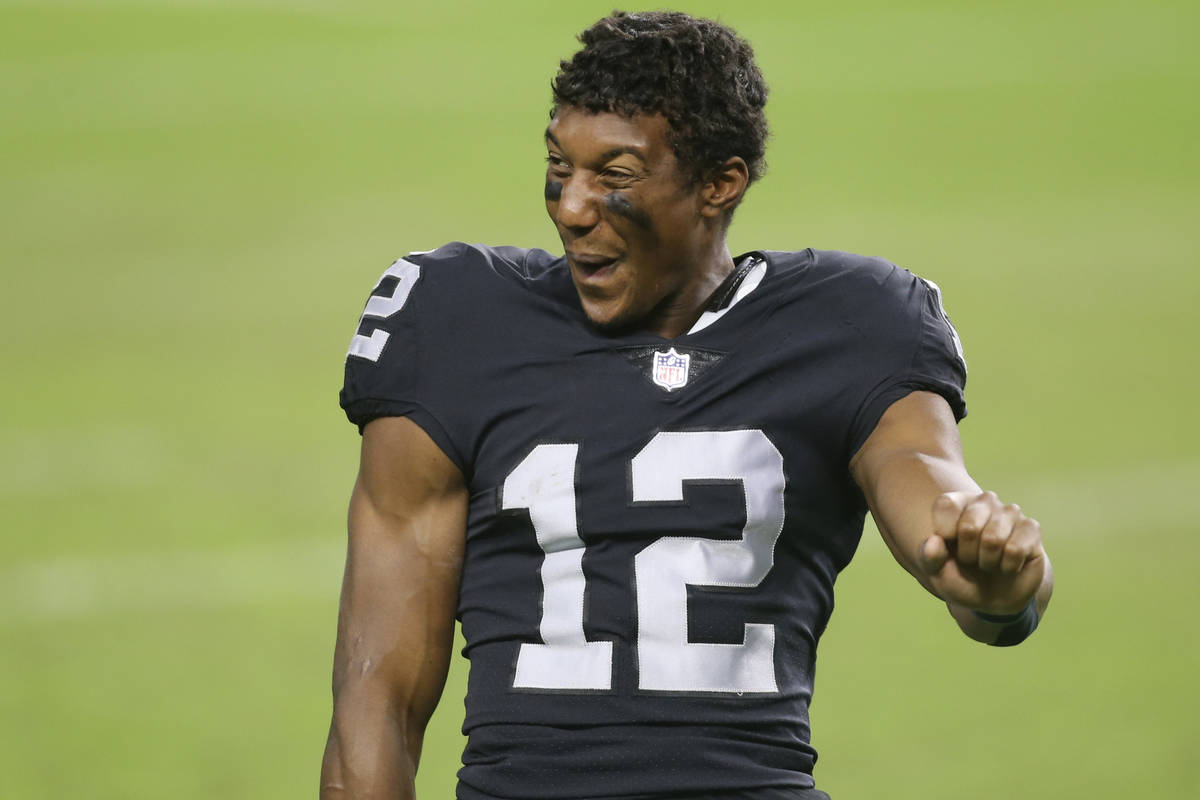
{"type": "Point", "coordinates": [557, 166]}
{"type": "Point", "coordinates": [617, 176]}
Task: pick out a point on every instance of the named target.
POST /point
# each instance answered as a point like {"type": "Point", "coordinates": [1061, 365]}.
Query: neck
{"type": "Point", "coordinates": [679, 311]}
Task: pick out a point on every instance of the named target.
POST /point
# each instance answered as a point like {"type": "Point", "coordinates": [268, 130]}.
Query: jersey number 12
{"type": "Point", "coordinates": [544, 484]}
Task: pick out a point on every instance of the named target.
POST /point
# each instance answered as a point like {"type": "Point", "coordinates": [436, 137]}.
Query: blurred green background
{"type": "Point", "coordinates": [197, 197]}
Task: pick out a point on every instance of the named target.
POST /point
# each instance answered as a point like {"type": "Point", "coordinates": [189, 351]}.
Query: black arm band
{"type": "Point", "coordinates": [1017, 627]}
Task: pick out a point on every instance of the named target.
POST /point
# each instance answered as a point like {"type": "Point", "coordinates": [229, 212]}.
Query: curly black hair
{"type": "Point", "coordinates": [697, 73]}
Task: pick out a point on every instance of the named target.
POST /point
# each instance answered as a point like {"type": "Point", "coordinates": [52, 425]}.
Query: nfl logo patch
{"type": "Point", "coordinates": [671, 369]}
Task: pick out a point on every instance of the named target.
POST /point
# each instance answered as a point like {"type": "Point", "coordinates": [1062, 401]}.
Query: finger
{"type": "Point", "coordinates": [933, 554]}
{"type": "Point", "coordinates": [953, 583]}
{"type": "Point", "coordinates": [995, 535]}
{"type": "Point", "coordinates": [1024, 543]}
{"type": "Point", "coordinates": [947, 508]}
{"type": "Point", "coordinates": [974, 517]}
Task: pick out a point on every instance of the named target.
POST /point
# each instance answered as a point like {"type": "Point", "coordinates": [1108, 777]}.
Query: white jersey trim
{"type": "Point", "coordinates": [749, 284]}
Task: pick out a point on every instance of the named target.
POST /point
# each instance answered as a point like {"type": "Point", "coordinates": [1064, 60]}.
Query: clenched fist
{"type": "Point", "coordinates": [983, 555]}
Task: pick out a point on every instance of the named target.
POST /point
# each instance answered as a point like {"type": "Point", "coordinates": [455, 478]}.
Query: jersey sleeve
{"type": "Point", "coordinates": [917, 350]}
{"type": "Point", "coordinates": [391, 364]}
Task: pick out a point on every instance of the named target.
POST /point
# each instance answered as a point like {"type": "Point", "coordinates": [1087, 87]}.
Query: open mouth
{"type": "Point", "coordinates": [593, 266]}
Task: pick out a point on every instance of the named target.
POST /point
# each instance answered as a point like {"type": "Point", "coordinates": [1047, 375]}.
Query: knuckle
{"type": "Point", "coordinates": [980, 510]}
{"type": "Point", "coordinates": [944, 502]}
{"type": "Point", "coordinates": [978, 520]}
{"type": "Point", "coordinates": [1015, 548]}
{"type": "Point", "coordinates": [993, 540]}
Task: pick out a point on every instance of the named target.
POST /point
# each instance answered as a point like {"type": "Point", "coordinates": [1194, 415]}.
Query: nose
{"type": "Point", "coordinates": [578, 205]}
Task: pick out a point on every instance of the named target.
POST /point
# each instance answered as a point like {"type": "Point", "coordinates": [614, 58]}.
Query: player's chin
{"type": "Point", "coordinates": [608, 315]}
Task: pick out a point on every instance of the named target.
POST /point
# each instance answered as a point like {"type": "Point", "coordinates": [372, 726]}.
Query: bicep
{"type": "Point", "coordinates": [913, 456]}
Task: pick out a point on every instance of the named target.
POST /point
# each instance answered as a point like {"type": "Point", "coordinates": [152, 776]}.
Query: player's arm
{"type": "Point", "coordinates": [963, 544]}
{"type": "Point", "coordinates": [396, 621]}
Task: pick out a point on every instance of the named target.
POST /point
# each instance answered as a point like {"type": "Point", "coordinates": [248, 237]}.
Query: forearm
{"type": "Point", "coordinates": [385, 689]}
{"type": "Point", "coordinates": [908, 484]}
{"type": "Point", "coordinates": [965, 546]}
{"type": "Point", "coordinates": [372, 751]}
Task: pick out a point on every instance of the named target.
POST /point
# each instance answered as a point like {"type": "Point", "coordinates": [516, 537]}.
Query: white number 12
{"type": "Point", "coordinates": [544, 483]}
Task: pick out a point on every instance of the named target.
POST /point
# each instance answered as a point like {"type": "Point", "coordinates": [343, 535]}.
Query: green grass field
{"type": "Point", "coordinates": [198, 194]}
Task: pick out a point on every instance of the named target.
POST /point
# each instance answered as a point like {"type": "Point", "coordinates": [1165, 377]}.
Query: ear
{"type": "Point", "coordinates": [724, 188]}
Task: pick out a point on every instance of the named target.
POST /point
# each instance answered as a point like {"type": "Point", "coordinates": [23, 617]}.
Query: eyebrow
{"type": "Point", "coordinates": [609, 154]}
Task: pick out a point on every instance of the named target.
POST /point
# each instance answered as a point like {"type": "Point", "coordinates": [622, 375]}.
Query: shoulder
{"type": "Point", "coordinates": [848, 284]}
{"type": "Point", "coordinates": [430, 317]}
{"type": "Point", "coordinates": [812, 266]}
{"type": "Point", "coordinates": [866, 273]}
{"type": "Point", "coordinates": [459, 278]}
{"type": "Point", "coordinates": [478, 278]}
{"type": "Point", "coordinates": [458, 293]}
{"type": "Point", "coordinates": [479, 262]}
{"type": "Point", "coordinates": [459, 263]}
{"type": "Point", "coordinates": [882, 328]}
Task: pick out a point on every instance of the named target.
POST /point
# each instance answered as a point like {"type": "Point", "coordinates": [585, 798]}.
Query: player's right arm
{"type": "Point", "coordinates": [407, 530]}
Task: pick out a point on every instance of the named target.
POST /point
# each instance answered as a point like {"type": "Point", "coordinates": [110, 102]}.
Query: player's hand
{"type": "Point", "coordinates": [984, 555]}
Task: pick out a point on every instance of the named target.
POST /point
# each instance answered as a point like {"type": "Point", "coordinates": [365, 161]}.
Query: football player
{"type": "Point", "coordinates": [634, 471]}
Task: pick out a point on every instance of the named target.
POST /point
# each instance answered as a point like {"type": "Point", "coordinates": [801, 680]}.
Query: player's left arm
{"type": "Point", "coordinates": [964, 545]}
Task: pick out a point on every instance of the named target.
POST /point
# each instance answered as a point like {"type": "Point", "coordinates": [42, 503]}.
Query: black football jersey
{"type": "Point", "coordinates": [655, 526]}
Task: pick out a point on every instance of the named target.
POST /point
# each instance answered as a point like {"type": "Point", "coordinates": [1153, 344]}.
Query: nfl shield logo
{"type": "Point", "coordinates": [671, 369]}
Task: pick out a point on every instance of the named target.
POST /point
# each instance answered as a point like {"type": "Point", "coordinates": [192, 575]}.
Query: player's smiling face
{"type": "Point", "coordinates": [638, 242]}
